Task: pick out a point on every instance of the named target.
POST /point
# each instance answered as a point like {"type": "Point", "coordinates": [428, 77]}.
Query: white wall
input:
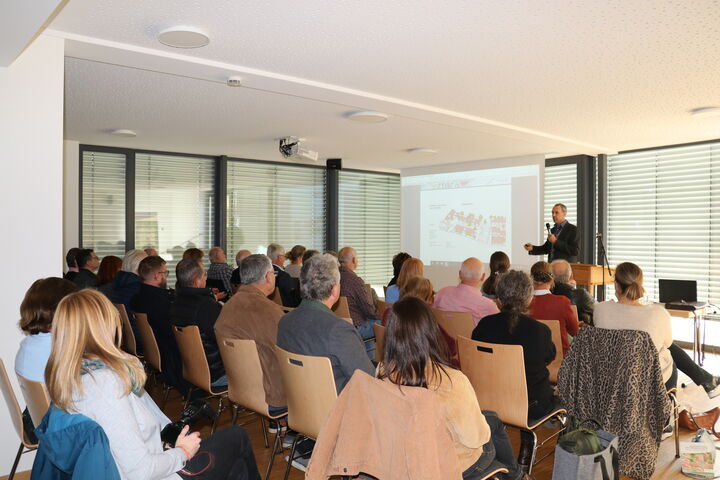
{"type": "Point", "coordinates": [71, 195]}
{"type": "Point", "coordinates": [31, 197]}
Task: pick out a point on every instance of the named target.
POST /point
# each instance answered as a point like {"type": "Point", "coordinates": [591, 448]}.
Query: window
{"type": "Point", "coordinates": [103, 203]}
{"type": "Point", "coordinates": [369, 221]}
{"type": "Point", "coordinates": [664, 215]}
{"type": "Point", "coordinates": [269, 203]}
{"type": "Point", "coordinates": [174, 205]}
{"type": "Point", "coordinates": [561, 187]}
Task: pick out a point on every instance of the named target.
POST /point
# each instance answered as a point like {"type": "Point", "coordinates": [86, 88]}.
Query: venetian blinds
{"type": "Point", "coordinates": [174, 205]}
{"type": "Point", "coordinates": [664, 215]}
{"type": "Point", "coordinates": [560, 187]}
{"type": "Point", "coordinates": [277, 203]}
{"type": "Point", "coordinates": [369, 221]}
{"type": "Point", "coordinates": [103, 203]}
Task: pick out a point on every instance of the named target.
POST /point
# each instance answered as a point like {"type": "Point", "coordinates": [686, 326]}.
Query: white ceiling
{"type": "Point", "coordinates": [473, 79]}
{"type": "Point", "coordinates": [20, 22]}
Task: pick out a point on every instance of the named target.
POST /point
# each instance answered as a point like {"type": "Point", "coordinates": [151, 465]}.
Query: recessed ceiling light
{"type": "Point", "coordinates": [705, 111]}
{"type": "Point", "coordinates": [183, 37]}
{"type": "Point", "coordinates": [367, 116]}
{"type": "Point", "coordinates": [422, 150]}
{"type": "Point", "coordinates": [123, 132]}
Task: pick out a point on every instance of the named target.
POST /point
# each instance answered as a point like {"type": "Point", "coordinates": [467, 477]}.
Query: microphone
{"type": "Point", "coordinates": [547, 226]}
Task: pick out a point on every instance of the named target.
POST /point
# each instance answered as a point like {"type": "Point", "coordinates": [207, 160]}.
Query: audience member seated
{"type": "Point", "coordinates": [88, 263]}
{"type": "Point", "coordinates": [250, 315]}
{"type": "Point", "coordinates": [195, 305]}
{"type": "Point", "coordinates": [512, 327]}
{"type": "Point", "coordinates": [88, 374]}
{"type": "Point", "coordinates": [150, 252]}
{"type": "Point", "coordinates": [412, 267]}
{"type": "Point", "coordinates": [71, 260]}
{"type": "Point", "coordinates": [415, 356]}
{"type": "Point", "coordinates": [109, 267]}
{"type": "Point", "coordinates": [546, 306]}
{"type": "Point", "coordinates": [36, 315]}
{"type": "Point", "coordinates": [219, 271]}
{"type": "Point", "coordinates": [352, 287]}
{"type": "Point", "coordinates": [629, 313]}
{"type": "Point", "coordinates": [466, 297]}
{"type": "Point", "coordinates": [565, 285]}
{"type": "Point", "coordinates": [397, 263]}
{"type": "Point", "coordinates": [308, 254]}
{"type": "Point", "coordinates": [289, 287]}
{"type": "Point", "coordinates": [154, 299]}
{"type": "Point", "coordinates": [193, 254]}
{"type": "Point", "coordinates": [499, 264]}
{"type": "Point", "coordinates": [235, 280]}
{"type": "Point", "coordinates": [127, 281]}
{"type": "Point", "coordinates": [295, 257]}
{"type": "Point", "coordinates": [313, 329]}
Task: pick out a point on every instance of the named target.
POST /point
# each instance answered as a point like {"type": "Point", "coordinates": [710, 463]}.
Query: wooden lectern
{"type": "Point", "coordinates": [591, 275]}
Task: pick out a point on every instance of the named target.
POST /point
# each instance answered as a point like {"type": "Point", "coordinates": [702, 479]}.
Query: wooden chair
{"type": "Point", "coordinates": [16, 416]}
{"type": "Point", "coordinates": [128, 336]}
{"type": "Point", "coordinates": [342, 308]}
{"type": "Point", "coordinates": [497, 373]}
{"type": "Point", "coordinates": [672, 393]}
{"type": "Point", "coordinates": [276, 297]}
{"type": "Point", "coordinates": [554, 366]}
{"type": "Point", "coordinates": [381, 307]}
{"type": "Point", "coordinates": [455, 323]}
{"type": "Point", "coordinates": [151, 350]}
{"type": "Point", "coordinates": [245, 385]}
{"type": "Point", "coordinates": [36, 398]}
{"type": "Point", "coordinates": [379, 342]}
{"type": "Point", "coordinates": [311, 393]}
{"type": "Point", "coordinates": [195, 365]}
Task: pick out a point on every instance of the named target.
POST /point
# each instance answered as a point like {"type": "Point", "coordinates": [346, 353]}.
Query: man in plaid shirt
{"type": "Point", "coordinates": [219, 270]}
{"type": "Point", "coordinates": [362, 311]}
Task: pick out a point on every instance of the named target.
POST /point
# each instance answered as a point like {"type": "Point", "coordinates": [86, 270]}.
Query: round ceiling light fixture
{"type": "Point", "coordinates": [123, 132]}
{"type": "Point", "coordinates": [705, 111]}
{"type": "Point", "coordinates": [183, 37]}
{"type": "Point", "coordinates": [422, 150]}
{"type": "Point", "coordinates": [367, 116]}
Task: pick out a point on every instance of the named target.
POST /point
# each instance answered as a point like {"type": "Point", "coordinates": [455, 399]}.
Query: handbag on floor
{"type": "Point", "coordinates": [587, 453]}
{"type": "Point", "coordinates": [698, 421]}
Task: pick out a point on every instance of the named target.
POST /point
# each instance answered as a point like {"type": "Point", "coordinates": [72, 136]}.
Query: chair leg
{"type": "Point", "coordinates": [271, 460]}
{"type": "Point", "coordinates": [166, 394]}
{"type": "Point", "coordinates": [235, 408]}
{"type": "Point", "coordinates": [291, 457]}
{"type": "Point", "coordinates": [264, 428]}
{"type": "Point", "coordinates": [534, 451]}
{"type": "Point", "coordinates": [676, 426]}
{"type": "Point", "coordinates": [217, 415]}
{"type": "Point", "coordinates": [189, 394]}
{"type": "Point", "coordinates": [15, 463]}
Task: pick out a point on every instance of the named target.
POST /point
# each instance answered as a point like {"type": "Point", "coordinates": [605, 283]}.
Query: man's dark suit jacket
{"type": "Point", "coordinates": [566, 247]}
{"type": "Point", "coordinates": [289, 287]}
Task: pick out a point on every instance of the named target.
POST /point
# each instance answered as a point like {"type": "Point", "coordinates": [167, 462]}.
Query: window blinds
{"type": "Point", "coordinates": [269, 203]}
{"type": "Point", "coordinates": [369, 221]}
{"type": "Point", "coordinates": [561, 187]}
{"type": "Point", "coordinates": [103, 203]}
{"type": "Point", "coordinates": [174, 205]}
{"type": "Point", "coordinates": [664, 215]}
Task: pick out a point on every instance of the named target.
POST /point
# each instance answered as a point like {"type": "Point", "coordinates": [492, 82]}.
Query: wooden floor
{"type": "Point", "coordinates": [668, 468]}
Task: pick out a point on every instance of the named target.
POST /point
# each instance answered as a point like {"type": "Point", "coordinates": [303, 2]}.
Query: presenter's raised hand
{"type": "Point", "coordinates": [552, 238]}
{"type": "Point", "coordinates": [528, 246]}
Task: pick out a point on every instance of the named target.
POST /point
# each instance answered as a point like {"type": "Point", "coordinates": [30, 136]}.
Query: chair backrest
{"type": "Point", "coordinates": [147, 337]}
{"type": "Point", "coordinates": [497, 373]}
{"type": "Point", "coordinates": [369, 291]}
{"type": "Point", "coordinates": [310, 390]}
{"type": "Point", "coordinates": [554, 366]}
{"type": "Point", "coordinates": [379, 342]}
{"type": "Point", "coordinates": [244, 372]}
{"type": "Point", "coordinates": [13, 406]}
{"type": "Point", "coordinates": [455, 323]}
{"type": "Point", "coordinates": [195, 365]}
{"type": "Point", "coordinates": [381, 307]}
{"type": "Point", "coordinates": [128, 337]}
{"type": "Point", "coordinates": [276, 297]}
{"type": "Point", "coordinates": [36, 398]}
{"type": "Point", "coordinates": [342, 308]}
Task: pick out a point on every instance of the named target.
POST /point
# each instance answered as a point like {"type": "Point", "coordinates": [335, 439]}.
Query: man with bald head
{"type": "Point", "coordinates": [466, 296]}
{"type": "Point", "coordinates": [235, 279]}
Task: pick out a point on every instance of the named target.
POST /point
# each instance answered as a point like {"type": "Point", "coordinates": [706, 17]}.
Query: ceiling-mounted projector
{"type": "Point", "coordinates": [290, 148]}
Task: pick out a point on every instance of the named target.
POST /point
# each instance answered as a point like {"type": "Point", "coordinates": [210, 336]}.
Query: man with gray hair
{"type": "Point", "coordinates": [467, 297]}
{"type": "Point", "coordinates": [313, 329]}
{"type": "Point", "coordinates": [352, 287]}
{"type": "Point", "coordinates": [289, 287]}
{"type": "Point", "coordinates": [250, 315]}
{"type": "Point", "coordinates": [219, 273]}
{"type": "Point", "coordinates": [565, 286]}
{"type": "Point", "coordinates": [235, 280]}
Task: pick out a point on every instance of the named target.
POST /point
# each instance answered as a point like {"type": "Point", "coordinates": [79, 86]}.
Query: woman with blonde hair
{"type": "Point", "coordinates": [87, 373]}
{"type": "Point", "coordinates": [412, 267]}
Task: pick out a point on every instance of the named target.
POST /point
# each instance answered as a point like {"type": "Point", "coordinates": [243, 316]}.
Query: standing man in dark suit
{"type": "Point", "coordinates": [563, 240]}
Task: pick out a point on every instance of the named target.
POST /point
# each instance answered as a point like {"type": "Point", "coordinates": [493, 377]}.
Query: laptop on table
{"type": "Point", "coordinates": [679, 294]}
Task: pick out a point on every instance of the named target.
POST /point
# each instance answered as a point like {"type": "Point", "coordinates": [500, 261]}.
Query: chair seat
{"type": "Point", "coordinates": [533, 423]}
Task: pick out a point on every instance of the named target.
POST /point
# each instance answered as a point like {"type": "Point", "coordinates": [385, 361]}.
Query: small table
{"type": "Point", "coordinates": [697, 316]}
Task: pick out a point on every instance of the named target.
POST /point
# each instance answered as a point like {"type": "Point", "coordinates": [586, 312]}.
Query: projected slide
{"type": "Point", "coordinates": [448, 217]}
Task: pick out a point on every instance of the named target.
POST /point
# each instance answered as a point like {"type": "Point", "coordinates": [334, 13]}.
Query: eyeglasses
{"type": "Point", "coordinates": [163, 273]}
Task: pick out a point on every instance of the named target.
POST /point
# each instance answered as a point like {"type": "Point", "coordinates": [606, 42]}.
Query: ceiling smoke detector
{"type": "Point", "coordinates": [123, 132]}
{"type": "Point", "coordinates": [183, 37]}
{"type": "Point", "coordinates": [422, 150]}
{"type": "Point", "coordinates": [367, 116]}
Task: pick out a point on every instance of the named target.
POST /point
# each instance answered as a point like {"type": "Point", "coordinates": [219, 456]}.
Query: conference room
{"type": "Point", "coordinates": [445, 130]}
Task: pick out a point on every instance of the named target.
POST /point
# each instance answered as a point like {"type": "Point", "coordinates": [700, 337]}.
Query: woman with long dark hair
{"type": "Point", "coordinates": [499, 264]}
{"type": "Point", "coordinates": [415, 355]}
